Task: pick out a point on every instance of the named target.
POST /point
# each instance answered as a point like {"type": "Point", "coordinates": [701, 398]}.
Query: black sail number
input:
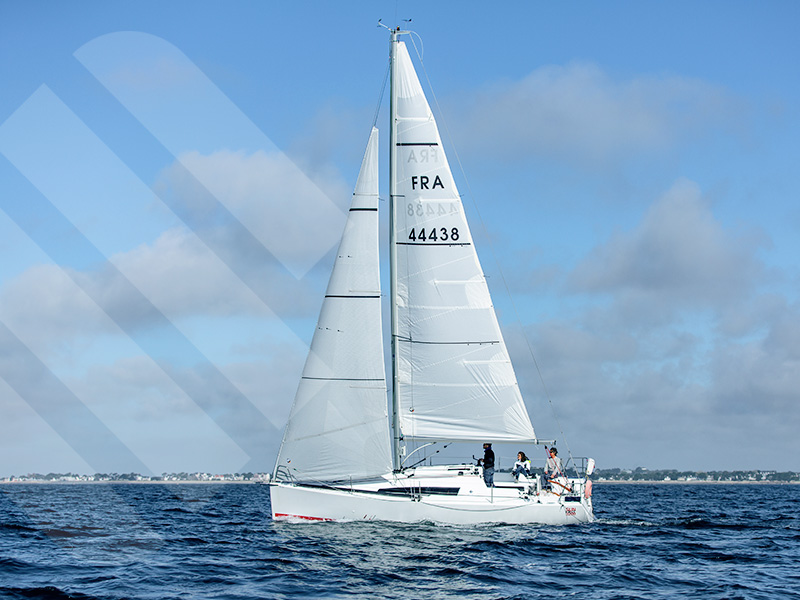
{"type": "Point", "coordinates": [442, 234]}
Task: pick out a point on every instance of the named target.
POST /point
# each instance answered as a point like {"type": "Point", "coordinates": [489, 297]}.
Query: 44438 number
{"type": "Point", "coordinates": [442, 234]}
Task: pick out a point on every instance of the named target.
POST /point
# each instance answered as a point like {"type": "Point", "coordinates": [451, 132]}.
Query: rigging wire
{"type": "Point", "coordinates": [491, 247]}
{"type": "Point", "coordinates": [383, 91]}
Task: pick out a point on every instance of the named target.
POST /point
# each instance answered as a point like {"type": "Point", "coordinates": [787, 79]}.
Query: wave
{"type": "Point", "coordinates": [43, 593]}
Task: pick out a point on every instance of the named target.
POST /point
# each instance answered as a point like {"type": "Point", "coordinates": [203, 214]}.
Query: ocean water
{"type": "Point", "coordinates": [217, 541]}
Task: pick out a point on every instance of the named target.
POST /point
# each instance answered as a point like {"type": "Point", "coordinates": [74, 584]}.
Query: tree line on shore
{"type": "Point", "coordinates": [642, 474]}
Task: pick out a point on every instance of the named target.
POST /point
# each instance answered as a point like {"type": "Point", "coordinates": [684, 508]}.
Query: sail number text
{"type": "Point", "coordinates": [425, 155]}
{"type": "Point", "coordinates": [431, 209]}
{"type": "Point", "coordinates": [442, 234]}
{"type": "Point", "coordinates": [423, 182]}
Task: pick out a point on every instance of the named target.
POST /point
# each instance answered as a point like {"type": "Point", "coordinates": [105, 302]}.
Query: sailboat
{"type": "Point", "coordinates": [344, 456]}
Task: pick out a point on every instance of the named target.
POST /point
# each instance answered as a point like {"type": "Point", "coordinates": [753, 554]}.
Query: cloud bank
{"type": "Point", "coordinates": [579, 113]}
{"type": "Point", "coordinates": [677, 346]}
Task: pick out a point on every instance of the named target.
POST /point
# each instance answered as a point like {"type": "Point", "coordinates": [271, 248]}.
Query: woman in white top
{"type": "Point", "coordinates": [522, 466]}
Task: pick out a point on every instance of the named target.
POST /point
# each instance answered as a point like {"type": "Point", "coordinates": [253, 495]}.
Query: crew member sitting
{"type": "Point", "coordinates": [522, 466]}
{"type": "Point", "coordinates": [553, 468]}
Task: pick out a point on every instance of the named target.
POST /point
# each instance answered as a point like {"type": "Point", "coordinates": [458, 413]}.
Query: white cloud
{"type": "Point", "coordinates": [678, 256]}
{"type": "Point", "coordinates": [45, 306]}
{"type": "Point", "coordinates": [579, 113]}
{"type": "Point", "coordinates": [761, 374]}
{"type": "Point", "coordinates": [181, 276]}
{"type": "Point", "coordinates": [177, 274]}
{"type": "Point", "coordinates": [265, 192]}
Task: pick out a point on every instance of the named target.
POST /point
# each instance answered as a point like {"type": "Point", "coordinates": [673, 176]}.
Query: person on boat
{"type": "Point", "coordinates": [488, 465]}
{"type": "Point", "coordinates": [553, 467]}
{"type": "Point", "coordinates": [522, 466]}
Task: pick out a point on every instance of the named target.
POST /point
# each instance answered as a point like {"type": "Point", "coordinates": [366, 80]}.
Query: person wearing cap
{"type": "Point", "coordinates": [488, 465]}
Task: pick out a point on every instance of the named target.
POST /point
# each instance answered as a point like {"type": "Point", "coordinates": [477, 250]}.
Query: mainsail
{"type": "Point", "coordinates": [339, 427]}
{"type": "Point", "coordinates": [454, 379]}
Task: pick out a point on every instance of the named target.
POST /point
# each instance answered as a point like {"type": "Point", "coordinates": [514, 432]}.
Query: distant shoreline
{"type": "Point", "coordinates": [124, 482]}
{"type": "Point", "coordinates": [189, 482]}
{"type": "Point", "coordinates": [693, 482]}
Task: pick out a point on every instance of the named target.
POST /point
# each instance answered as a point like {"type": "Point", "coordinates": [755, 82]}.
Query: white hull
{"type": "Point", "coordinates": [437, 494]}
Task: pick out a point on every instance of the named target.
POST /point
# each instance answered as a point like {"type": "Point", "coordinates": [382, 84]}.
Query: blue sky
{"type": "Point", "coordinates": [173, 175]}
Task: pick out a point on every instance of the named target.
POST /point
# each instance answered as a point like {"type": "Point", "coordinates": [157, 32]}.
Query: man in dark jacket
{"type": "Point", "coordinates": [488, 465]}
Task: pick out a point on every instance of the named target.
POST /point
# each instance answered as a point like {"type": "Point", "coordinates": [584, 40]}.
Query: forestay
{"type": "Point", "coordinates": [455, 380]}
{"type": "Point", "coordinates": [338, 427]}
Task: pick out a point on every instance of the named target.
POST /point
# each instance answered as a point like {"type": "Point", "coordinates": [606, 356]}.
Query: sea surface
{"type": "Point", "coordinates": [217, 541]}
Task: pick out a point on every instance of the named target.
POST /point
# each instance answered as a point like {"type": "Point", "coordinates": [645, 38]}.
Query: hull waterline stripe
{"type": "Point", "coordinates": [286, 515]}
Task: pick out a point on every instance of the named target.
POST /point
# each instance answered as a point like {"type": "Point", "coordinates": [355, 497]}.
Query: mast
{"type": "Point", "coordinates": [396, 435]}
